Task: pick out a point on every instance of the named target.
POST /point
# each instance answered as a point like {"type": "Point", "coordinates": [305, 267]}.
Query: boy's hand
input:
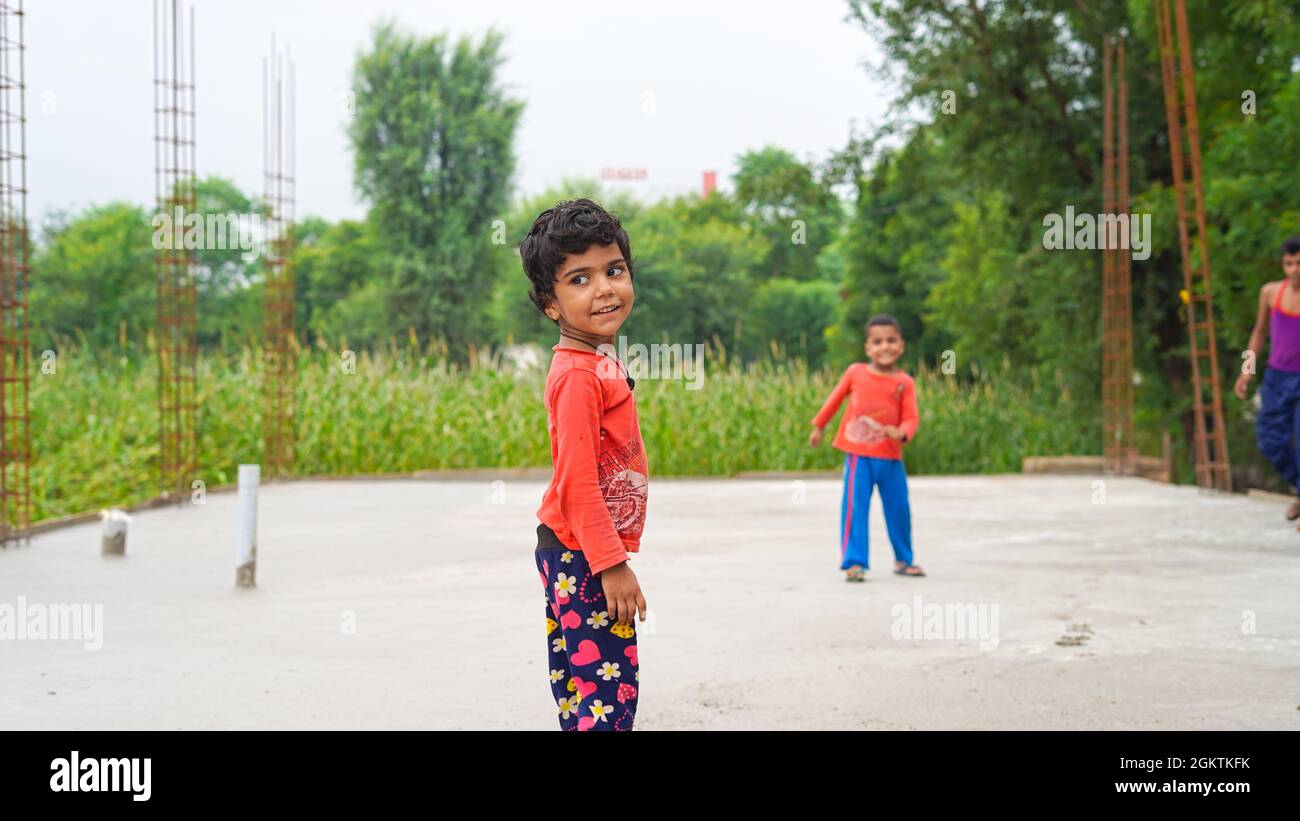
{"type": "Point", "coordinates": [815, 438]}
{"type": "Point", "coordinates": [893, 431]}
{"type": "Point", "coordinates": [622, 593]}
{"type": "Point", "coordinates": [1243, 383]}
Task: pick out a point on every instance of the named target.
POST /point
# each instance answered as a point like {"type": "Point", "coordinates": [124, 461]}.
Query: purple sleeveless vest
{"type": "Point", "coordinates": [1284, 337]}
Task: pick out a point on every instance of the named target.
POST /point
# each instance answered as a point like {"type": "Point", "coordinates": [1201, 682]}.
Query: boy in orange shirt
{"type": "Point", "coordinates": [881, 418]}
{"type": "Point", "coordinates": [579, 261]}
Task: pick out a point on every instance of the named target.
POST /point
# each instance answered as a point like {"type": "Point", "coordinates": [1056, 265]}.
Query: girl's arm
{"type": "Point", "coordinates": [578, 404]}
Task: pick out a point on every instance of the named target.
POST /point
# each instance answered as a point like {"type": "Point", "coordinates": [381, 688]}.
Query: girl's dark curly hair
{"type": "Point", "coordinates": [570, 227]}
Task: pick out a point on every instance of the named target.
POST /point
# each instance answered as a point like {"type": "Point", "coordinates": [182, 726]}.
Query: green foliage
{"type": "Point", "coordinates": [796, 214]}
{"type": "Point", "coordinates": [228, 302]}
{"type": "Point", "coordinates": [692, 274]}
{"type": "Point", "coordinates": [339, 280]}
{"type": "Point", "coordinates": [93, 278]}
{"type": "Point", "coordinates": [982, 302]}
{"type": "Point", "coordinates": [1010, 130]}
{"type": "Point", "coordinates": [433, 140]}
{"type": "Point", "coordinates": [894, 247]}
{"type": "Point", "coordinates": [792, 315]}
{"type": "Point", "coordinates": [94, 275]}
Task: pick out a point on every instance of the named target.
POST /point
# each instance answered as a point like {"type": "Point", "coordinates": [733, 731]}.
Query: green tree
{"type": "Point", "coordinates": [982, 302]}
{"type": "Point", "coordinates": [339, 280]}
{"type": "Point", "coordinates": [692, 272]}
{"type": "Point", "coordinates": [785, 204]}
{"type": "Point", "coordinates": [794, 315]}
{"type": "Point", "coordinates": [228, 279]}
{"type": "Point", "coordinates": [93, 277]}
{"type": "Point", "coordinates": [893, 248]}
{"type": "Point", "coordinates": [432, 136]}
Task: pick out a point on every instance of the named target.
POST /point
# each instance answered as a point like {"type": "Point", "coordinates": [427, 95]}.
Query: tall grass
{"type": "Point", "coordinates": [758, 417]}
{"type": "Point", "coordinates": [94, 420]}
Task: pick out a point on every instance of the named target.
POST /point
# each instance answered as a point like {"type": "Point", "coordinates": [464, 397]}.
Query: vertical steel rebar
{"type": "Point", "coordinates": [1118, 447]}
{"type": "Point", "coordinates": [1210, 446]}
{"type": "Point", "coordinates": [278, 313]}
{"type": "Point", "coordinates": [174, 262]}
{"type": "Point", "coordinates": [15, 341]}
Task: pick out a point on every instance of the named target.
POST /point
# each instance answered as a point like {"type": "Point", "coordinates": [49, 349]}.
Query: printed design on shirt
{"type": "Point", "coordinates": [864, 429]}
{"type": "Point", "coordinates": [623, 483]}
{"type": "Point", "coordinates": [867, 428]}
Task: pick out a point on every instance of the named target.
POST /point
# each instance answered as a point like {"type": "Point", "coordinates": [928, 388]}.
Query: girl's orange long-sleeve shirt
{"type": "Point", "coordinates": [596, 501]}
{"type": "Point", "coordinates": [875, 400]}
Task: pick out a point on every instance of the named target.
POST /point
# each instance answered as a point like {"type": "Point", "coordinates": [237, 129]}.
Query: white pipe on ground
{"type": "Point", "coordinates": [246, 545]}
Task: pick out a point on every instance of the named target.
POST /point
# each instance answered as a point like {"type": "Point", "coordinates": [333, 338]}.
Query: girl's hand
{"type": "Point", "coordinates": [622, 593]}
{"type": "Point", "coordinates": [893, 432]}
{"type": "Point", "coordinates": [815, 438]}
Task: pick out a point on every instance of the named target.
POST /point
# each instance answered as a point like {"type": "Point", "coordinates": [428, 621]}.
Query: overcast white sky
{"type": "Point", "coordinates": [724, 76]}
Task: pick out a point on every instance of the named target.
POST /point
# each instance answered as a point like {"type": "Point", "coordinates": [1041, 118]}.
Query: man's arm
{"type": "Point", "coordinates": [1256, 344]}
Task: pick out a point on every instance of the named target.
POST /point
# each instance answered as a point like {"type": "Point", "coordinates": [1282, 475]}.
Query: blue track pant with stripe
{"type": "Point", "coordinates": [862, 474]}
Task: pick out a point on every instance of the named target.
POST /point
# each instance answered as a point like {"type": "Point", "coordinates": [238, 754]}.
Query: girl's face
{"type": "Point", "coordinates": [593, 293]}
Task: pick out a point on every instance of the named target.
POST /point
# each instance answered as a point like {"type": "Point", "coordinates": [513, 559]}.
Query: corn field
{"type": "Point", "coordinates": [400, 409]}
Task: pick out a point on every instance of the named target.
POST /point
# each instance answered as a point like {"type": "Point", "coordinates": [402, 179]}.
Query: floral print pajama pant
{"type": "Point", "coordinates": [592, 660]}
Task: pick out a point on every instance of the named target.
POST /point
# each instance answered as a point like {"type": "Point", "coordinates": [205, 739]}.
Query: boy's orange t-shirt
{"type": "Point", "coordinates": [596, 501]}
{"type": "Point", "coordinates": [875, 400]}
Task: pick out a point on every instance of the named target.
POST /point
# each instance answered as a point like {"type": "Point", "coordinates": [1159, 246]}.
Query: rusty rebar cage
{"type": "Point", "coordinates": [1210, 445]}
{"type": "Point", "coordinates": [174, 263]}
{"type": "Point", "coordinates": [279, 345]}
{"type": "Point", "coordinates": [15, 340]}
{"type": "Point", "coordinates": [1119, 448]}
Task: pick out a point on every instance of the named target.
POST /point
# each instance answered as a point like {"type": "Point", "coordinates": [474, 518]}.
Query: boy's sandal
{"type": "Point", "coordinates": [1293, 512]}
{"type": "Point", "coordinates": [855, 574]}
{"type": "Point", "coordinates": [909, 570]}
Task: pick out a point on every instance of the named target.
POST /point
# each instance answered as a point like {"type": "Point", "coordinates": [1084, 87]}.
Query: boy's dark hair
{"type": "Point", "coordinates": [882, 319]}
{"type": "Point", "coordinates": [570, 227]}
{"type": "Point", "coordinates": [1290, 246]}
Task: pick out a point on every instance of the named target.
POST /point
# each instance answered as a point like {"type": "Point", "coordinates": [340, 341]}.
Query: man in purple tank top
{"type": "Point", "coordinates": [1277, 428]}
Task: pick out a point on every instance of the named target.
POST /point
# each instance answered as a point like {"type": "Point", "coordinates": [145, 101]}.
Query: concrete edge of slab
{"type": "Point", "coordinates": [1076, 466]}
{"type": "Point", "coordinates": [453, 474]}
{"type": "Point", "coordinates": [1268, 495]}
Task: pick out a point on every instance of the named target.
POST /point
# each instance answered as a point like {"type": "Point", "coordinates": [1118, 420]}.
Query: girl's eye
{"type": "Point", "coordinates": [575, 281]}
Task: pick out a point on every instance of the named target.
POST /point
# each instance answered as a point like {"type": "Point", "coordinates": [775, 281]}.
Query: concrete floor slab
{"type": "Point", "coordinates": [412, 604]}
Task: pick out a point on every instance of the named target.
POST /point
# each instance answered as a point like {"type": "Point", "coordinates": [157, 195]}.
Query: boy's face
{"type": "Point", "coordinates": [586, 284]}
{"type": "Point", "coordinates": [1291, 266]}
{"type": "Point", "coordinates": [884, 345]}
